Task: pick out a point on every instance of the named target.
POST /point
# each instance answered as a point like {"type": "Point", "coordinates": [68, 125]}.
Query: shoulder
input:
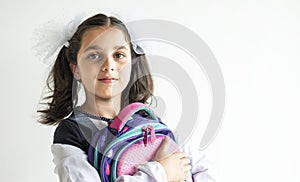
{"type": "Point", "coordinates": [65, 128]}
{"type": "Point", "coordinates": [68, 132]}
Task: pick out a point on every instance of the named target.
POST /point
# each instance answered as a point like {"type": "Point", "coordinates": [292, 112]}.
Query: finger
{"type": "Point", "coordinates": [184, 176]}
{"type": "Point", "coordinates": [164, 146]}
{"type": "Point", "coordinates": [187, 168]}
{"type": "Point", "coordinates": [180, 155]}
{"type": "Point", "coordinates": [186, 171]}
{"type": "Point", "coordinates": [185, 161]}
{"type": "Point", "coordinates": [162, 151]}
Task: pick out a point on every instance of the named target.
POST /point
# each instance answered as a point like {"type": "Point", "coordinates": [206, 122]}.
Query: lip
{"type": "Point", "coordinates": [108, 79]}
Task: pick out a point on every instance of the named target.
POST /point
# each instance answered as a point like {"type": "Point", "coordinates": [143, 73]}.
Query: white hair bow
{"type": "Point", "coordinates": [55, 34]}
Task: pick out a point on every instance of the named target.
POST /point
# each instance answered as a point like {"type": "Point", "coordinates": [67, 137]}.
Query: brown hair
{"type": "Point", "coordinates": [63, 88]}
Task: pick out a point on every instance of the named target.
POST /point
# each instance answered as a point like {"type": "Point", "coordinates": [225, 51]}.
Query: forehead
{"type": "Point", "coordinates": [104, 37]}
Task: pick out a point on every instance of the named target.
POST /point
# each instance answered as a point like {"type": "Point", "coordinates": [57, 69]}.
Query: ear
{"type": "Point", "coordinates": [75, 70]}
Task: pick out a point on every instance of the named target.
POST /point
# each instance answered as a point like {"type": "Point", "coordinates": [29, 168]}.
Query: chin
{"type": "Point", "coordinates": [107, 96]}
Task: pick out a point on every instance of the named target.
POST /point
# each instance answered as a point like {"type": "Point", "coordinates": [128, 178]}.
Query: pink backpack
{"type": "Point", "coordinates": [130, 140]}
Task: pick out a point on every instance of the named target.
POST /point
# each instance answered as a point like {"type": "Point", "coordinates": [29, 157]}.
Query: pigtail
{"type": "Point", "coordinates": [141, 87]}
{"type": "Point", "coordinates": [62, 91]}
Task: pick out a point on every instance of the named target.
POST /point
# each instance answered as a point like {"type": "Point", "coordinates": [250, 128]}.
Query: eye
{"type": "Point", "coordinates": [119, 55]}
{"type": "Point", "coordinates": [94, 56]}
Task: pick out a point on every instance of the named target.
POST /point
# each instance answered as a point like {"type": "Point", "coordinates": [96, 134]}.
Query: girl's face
{"type": "Point", "coordinates": [104, 62]}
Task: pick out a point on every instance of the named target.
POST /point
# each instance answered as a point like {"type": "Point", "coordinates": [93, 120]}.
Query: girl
{"type": "Point", "coordinates": [113, 71]}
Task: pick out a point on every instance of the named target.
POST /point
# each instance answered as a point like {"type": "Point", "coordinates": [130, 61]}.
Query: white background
{"type": "Point", "coordinates": [255, 42]}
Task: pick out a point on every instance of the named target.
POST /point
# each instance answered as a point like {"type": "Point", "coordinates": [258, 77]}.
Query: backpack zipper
{"type": "Point", "coordinates": [146, 130]}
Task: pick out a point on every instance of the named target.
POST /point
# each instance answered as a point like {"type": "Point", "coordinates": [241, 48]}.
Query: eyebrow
{"type": "Point", "coordinates": [120, 47]}
{"type": "Point", "coordinates": [94, 47]}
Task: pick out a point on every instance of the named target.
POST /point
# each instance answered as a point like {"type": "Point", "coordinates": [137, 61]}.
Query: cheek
{"type": "Point", "coordinates": [125, 73]}
{"type": "Point", "coordinates": [89, 74]}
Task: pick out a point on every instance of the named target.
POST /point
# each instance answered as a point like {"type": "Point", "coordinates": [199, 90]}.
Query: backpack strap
{"type": "Point", "coordinates": [121, 119]}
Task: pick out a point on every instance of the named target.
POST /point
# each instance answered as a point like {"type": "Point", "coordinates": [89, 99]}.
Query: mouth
{"type": "Point", "coordinates": [108, 80]}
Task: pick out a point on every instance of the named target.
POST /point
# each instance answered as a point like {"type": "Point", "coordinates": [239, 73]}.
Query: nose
{"type": "Point", "coordinates": [108, 65]}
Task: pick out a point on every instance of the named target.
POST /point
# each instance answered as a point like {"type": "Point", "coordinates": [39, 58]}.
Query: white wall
{"type": "Point", "coordinates": [255, 42]}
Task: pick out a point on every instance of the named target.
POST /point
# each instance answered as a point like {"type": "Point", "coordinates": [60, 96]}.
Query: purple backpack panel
{"type": "Point", "coordinates": [129, 141]}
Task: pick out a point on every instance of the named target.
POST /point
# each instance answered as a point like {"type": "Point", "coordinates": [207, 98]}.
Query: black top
{"type": "Point", "coordinates": [76, 130]}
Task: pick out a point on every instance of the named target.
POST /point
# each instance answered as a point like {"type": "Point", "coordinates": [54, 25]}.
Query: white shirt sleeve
{"type": "Point", "coordinates": [71, 165]}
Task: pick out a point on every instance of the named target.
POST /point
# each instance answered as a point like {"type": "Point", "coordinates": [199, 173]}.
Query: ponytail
{"type": "Point", "coordinates": [140, 87]}
{"type": "Point", "coordinates": [62, 88]}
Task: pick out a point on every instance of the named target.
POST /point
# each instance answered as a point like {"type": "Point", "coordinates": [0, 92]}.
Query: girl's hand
{"type": "Point", "coordinates": [176, 165]}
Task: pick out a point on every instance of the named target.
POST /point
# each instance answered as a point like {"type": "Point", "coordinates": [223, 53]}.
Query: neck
{"type": "Point", "coordinates": [108, 108]}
